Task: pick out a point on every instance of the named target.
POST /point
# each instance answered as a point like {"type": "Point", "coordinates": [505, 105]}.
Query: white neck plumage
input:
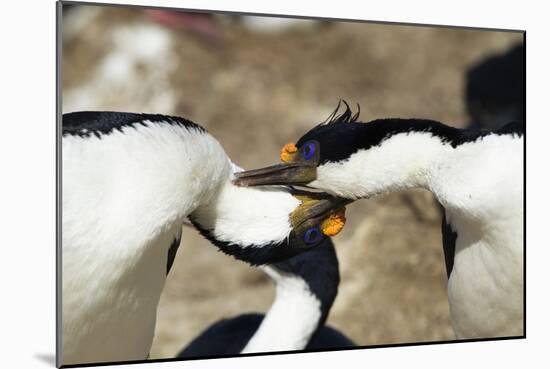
{"type": "Point", "coordinates": [478, 183]}
{"type": "Point", "coordinates": [291, 320]}
{"type": "Point", "coordinates": [406, 160]}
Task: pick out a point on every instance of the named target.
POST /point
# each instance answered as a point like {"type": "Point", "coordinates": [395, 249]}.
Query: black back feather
{"type": "Point", "coordinates": [98, 123]}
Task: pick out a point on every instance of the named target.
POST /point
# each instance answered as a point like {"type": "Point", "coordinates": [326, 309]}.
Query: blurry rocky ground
{"type": "Point", "coordinates": [256, 85]}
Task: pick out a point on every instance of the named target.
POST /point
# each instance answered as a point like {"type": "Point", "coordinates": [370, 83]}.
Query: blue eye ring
{"type": "Point", "coordinates": [308, 150]}
{"type": "Point", "coordinates": [313, 235]}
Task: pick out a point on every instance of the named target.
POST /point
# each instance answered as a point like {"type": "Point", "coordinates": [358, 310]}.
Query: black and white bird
{"type": "Point", "coordinates": [306, 286]}
{"type": "Point", "coordinates": [129, 181]}
{"type": "Point", "coordinates": [477, 176]}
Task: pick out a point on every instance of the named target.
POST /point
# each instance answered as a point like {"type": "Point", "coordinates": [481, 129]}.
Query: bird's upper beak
{"type": "Point", "coordinates": [292, 172]}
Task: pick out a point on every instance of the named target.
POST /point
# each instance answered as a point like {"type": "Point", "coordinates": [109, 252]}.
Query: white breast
{"type": "Point", "coordinates": [124, 199]}
{"type": "Point", "coordinates": [483, 197]}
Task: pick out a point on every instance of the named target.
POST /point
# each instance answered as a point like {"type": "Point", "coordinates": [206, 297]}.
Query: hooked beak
{"type": "Point", "coordinates": [293, 172]}
{"type": "Point", "coordinates": [315, 207]}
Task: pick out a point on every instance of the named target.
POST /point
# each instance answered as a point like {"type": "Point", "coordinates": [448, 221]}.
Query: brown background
{"type": "Point", "coordinates": [256, 90]}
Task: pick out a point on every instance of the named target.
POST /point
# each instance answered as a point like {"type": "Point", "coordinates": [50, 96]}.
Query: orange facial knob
{"type": "Point", "coordinates": [288, 151]}
{"type": "Point", "coordinates": [335, 223]}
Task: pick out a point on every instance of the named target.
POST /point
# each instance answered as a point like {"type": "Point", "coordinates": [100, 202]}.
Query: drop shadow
{"type": "Point", "coordinates": [46, 358]}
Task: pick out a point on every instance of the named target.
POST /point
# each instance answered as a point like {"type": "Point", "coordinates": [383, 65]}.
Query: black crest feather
{"type": "Point", "coordinates": [346, 117]}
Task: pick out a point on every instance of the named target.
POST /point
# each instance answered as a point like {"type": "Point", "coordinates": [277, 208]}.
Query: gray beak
{"type": "Point", "coordinates": [291, 173]}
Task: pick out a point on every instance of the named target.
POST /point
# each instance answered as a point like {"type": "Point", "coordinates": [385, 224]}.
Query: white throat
{"type": "Point", "coordinates": [291, 320]}
{"type": "Point", "coordinates": [403, 161]}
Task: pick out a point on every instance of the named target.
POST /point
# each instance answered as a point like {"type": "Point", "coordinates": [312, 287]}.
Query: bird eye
{"type": "Point", "coordinates": [313, 235]}
{"type": "Point", "coordinates": [308, 150]}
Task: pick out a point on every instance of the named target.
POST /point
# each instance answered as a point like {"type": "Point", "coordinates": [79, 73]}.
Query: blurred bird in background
{"type": "Point", "coordinates": [495, 89]}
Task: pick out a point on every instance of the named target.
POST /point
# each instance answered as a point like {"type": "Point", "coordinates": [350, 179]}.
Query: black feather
{"type": "Point", "coordinates": [449, 245]}
{"type": "Point", "coordinates": [269, 253]}
{"type": "Point", "coordinates": [346, 117]}
{"type": "Point", "coordinates": [98, 123]}
{"type": "Point", "coordinates": [172, 251]}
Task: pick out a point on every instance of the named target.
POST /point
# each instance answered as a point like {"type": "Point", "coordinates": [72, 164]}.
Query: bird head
{"type": "Point", "coordinates": [331, 142]}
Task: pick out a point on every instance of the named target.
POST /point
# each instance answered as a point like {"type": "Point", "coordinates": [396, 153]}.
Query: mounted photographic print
{"type": "Point", "coordinates": [234, 184]}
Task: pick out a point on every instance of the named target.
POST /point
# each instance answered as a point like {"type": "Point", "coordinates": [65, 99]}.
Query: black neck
{"type": "Point", "coordinates": [266, 254]}
{"type": "Point", "coordinates": [319, 269]}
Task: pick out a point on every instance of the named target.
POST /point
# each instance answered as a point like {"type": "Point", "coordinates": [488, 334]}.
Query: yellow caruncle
{"type": "Point", "coordinates": [288, 151]}
{"type": "Point", "coordinates": [335, 223]}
